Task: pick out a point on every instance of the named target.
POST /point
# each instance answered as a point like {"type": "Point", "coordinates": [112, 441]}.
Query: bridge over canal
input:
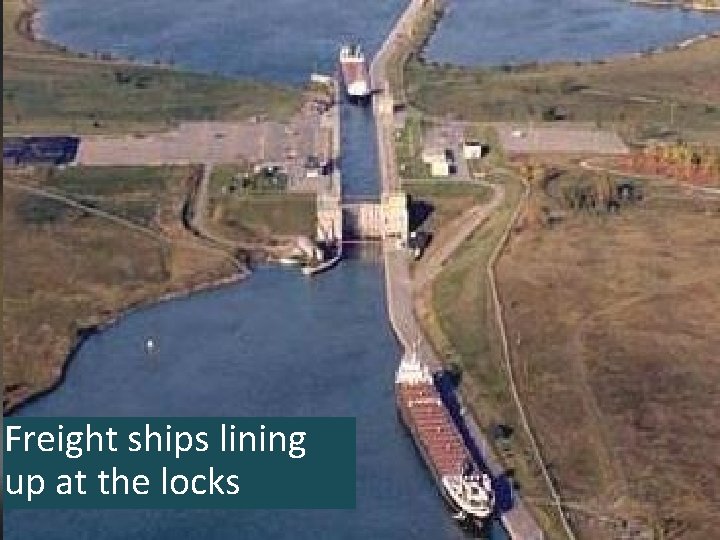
{"type": "Point", "coordinates": [358, 219]}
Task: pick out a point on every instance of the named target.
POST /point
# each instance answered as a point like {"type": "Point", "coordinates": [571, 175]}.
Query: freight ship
{"type": "Point", "coordinates": [355, 73]}
{"type": "Point", "coordinates": [467, 490]}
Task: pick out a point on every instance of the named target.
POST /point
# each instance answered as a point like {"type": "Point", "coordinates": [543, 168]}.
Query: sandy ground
{"type": "Point", "coordinates": [571, 139]}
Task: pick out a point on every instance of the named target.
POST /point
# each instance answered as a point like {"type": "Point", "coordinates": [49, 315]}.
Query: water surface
{"type": "Point", "coordinates": [278, 40]}
{"type": "Point", "coordinates": [516, 31]}
{"type": "Point", "coordinates": [278, 344]}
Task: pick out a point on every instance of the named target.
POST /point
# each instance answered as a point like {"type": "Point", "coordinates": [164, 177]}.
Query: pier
{"type": "Point", "coordinates": [518, 521]}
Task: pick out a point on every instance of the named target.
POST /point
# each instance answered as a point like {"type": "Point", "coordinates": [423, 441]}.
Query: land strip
{"type": "Point", "coordinates": [518, 520]}
{"type": "Point", "coordinates": [672, 94]}
{"type": "Point", "coordinates": [47, 89]}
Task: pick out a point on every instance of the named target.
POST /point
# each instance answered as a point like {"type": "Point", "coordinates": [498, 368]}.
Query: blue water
{"type": "Point", "coordinates": [359, 153]}
{"type": "Point", "coordinates": [279, 40]}
{"type": "Point", "coordinates": [278, 344]}
{"type": "Point", "coordinates": [516, 31]}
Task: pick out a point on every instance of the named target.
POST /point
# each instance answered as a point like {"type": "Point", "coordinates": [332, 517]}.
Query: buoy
{"type": "Point", "coordinates": [149, 345]}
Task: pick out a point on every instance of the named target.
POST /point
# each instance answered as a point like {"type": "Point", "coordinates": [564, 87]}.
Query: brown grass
{"type": "Point", "coordinates": [69, 270]}
{"type": "Point", "coordinates": [614, 331]}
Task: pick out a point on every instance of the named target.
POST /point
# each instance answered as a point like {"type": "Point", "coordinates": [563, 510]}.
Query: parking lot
{"type": "Point", "coordinates": [289, 146]}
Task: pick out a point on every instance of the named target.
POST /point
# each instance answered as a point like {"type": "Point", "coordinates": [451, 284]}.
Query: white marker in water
{"type": "Point", "coordinates": [149, 345]}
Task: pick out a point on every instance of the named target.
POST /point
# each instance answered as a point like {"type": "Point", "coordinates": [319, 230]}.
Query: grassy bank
{"type": "Point", "coordinates": [71, 270]}
{"type": "Point", "coordinates": [247, 207]}
{"type": "Point", "coordinates": [260, 218]}
{"type": "Point", "coordinates": [457, 315]}
{"type": "Point", "coordinates": [48, 90]}
{"type": "Point", "coordinates": [675, 92]}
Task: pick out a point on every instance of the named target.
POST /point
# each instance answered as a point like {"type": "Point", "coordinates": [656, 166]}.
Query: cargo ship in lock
{"type": "Point", "coordinates": [467, 490]}
{"type": "Point", "coordinates": [355, 74]}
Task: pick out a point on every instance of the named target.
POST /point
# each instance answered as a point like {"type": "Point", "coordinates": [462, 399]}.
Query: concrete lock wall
{"type": "Point", "coordinates": [362, 220]}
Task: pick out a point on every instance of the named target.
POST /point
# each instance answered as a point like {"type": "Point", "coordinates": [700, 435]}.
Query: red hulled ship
{"type": "Point", "coordinates": [468, 491]}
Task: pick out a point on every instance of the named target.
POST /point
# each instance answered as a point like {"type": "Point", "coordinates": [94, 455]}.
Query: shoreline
{"type": "Point", "coordinates": [33, 11]}
{"type": "Point", "coordinates": [115, 317]}
{"type": "Point", "coordinates": [519, 67]}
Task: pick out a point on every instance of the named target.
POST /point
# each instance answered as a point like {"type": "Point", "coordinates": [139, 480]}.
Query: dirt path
{"type": "Point", "coordinates": [454, 234]}
{"type": "Point", "coordinates": [66, 199]}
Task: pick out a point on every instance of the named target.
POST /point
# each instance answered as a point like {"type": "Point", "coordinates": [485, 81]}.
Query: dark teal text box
{"type": "Point", "coordinates": [323, 478]}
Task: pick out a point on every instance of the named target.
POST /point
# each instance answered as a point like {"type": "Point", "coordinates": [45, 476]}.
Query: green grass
{"type": "Point", "coordinates": [675, 91]}
{"type": "Point", "coordinates": [435, 203]}
{"type": "Point", "coordinates": [261, 216]}
{"type": "Point", "coordinates": [133, 193]}
{"type": "Point", "coordinates": [108, 181]}
{"type": "Point", "coordinates": [241, 180]}
{"type": "Point", "coordinates": [461, 303]}
{"type": "Point", "coordinates": [46, 96]}
{"type": "Point", "coordinates": [408, 148]}
{"type": "Point", "coordinates": [447, 189]}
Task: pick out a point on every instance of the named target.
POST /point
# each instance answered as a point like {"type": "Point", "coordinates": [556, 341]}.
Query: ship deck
{"type": "Point", "coordinates": [433, 427]}
{"type": "Point", "coordinates": [354, 72]}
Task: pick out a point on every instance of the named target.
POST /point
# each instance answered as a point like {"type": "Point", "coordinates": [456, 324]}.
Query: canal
{"type": "Point", "coordinates": [278, 343]}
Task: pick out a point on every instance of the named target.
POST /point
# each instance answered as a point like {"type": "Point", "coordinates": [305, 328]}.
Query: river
{"type": "Point", "coordinates": [278, 343]}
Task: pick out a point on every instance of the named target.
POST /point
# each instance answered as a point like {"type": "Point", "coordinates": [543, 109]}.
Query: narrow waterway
{"type": "Point", "coordinates": [359, 156]}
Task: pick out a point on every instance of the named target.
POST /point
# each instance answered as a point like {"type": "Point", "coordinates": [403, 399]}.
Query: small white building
{"type": "Point", "coordinates": [440, 169]}
{"type": "Point", "coordinates": [438, 161]}
{"type": "Point", "coordinates": [472, 150]}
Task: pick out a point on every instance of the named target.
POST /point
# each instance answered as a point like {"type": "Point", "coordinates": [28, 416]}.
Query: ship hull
{"type": "Point", "coordinates": [472, 523]}
{"type": "Point", "coordinates": [356, 82]}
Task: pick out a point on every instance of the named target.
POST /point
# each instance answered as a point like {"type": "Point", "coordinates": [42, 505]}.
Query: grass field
{"type": "Point", "coordinates": [42, 95]}
{"type": "Point", "coordinates": [261, 217]}
{"type": "Point", "coordinates": [71, 270]}
{"type": "Point", "coordinates": [433, 204]}
{"type": "Point", "coordinates": [260, 213]}
{"type": "Point", "coordinates": [134, 193]}
{"type": "Point", "coordinates": [409, 146]}
{"type": "Point", "coordinates": [51, 91]}
{"type": "Point", "coordinates": [614, 330]}
{"type": "Point", "coordinates": [457, 315]}
{"type": "Point", "coordinates": [676, 93]}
